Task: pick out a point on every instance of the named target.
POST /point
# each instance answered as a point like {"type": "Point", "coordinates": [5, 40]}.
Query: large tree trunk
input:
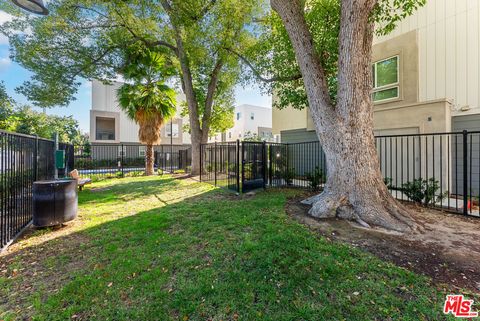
{"type": "Point", "coordinates": [354, 189]}
{"type": "Point", "coordinates": [149, 160]}
{"type": "Point", "coordinates": [196, 138]}
{"type": "Point", "coordinates": [198, 133]}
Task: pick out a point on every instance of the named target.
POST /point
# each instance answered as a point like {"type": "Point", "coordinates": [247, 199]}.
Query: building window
{"type": "Point", "coordinates": [252, 116]}
{"type": "Point", "coordinates": [172, 127]}
{"type": "Point", "coordinates": [104, 128]}
{"type": "Point", "coordinates": [385, 79]}
{"type": "Point", "coordinates": [238, 116]}
{"type": "Point", "coordinates": [141, 151]}
{"type": "Point", "coordinates": [122, 151]}
{"type": "Point", "coordinates": [229, 134]}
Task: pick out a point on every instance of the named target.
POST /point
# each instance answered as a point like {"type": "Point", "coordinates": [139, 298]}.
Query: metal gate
{"type": "Point", "coordinates": [220, 164]}
{"type": "Point", "coordinates": [253, 165]}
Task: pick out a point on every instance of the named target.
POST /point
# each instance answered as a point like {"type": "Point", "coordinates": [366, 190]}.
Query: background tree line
{"type": "Point", "coordinates": [25, 120]}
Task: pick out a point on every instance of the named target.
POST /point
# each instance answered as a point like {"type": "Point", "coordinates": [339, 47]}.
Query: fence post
{"type": "Point", "coordinates": [465, 172]}
{"type": "Point", "coordinates": [270, 164]}
{"type": "Point", "coordinates": [287, 156]}
{"type": "Point", "coordinates": [238, 166]}
{"type": "Point", "coordinates": [123, 159]}
{"type": "Point", "coordinates": [264, 164]}
{"type": "Point", "coordinates": [215, 162]}
{"type": "Point", "coordinates": [35, 160]}
{"type": "Point", "coordinates": [55, 148]}
{"type": "Point", "coordinates": [242, 162]}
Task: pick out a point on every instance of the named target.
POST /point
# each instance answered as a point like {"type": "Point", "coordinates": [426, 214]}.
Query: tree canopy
{"type": "Point", "coordinates": [270, 60]}
{"type": "Point", "coordinates": [88, 39]}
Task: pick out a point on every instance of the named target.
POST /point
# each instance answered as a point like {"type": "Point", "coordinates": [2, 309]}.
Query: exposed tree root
{"type": "Point", "coordinates": [375, 209]}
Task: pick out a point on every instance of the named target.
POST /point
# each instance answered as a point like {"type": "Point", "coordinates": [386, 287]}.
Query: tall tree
{"type": "Point", "coordinates": [25, 120]}
{"type": "Point", "coordinates": [147, 100]}
{"type": "Point", "coordinates": [6, 107]}
{"type": "Point", "coordinates": [85, 38]}
{"type": "Point", "coordinates": [336, 86]}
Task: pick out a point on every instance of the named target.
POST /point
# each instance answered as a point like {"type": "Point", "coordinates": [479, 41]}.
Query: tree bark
{"type": "Point", "coordinates": [354, 189]}
{"type": "Point", "coordinates": [198, 132]}
{"type": "Point", "coordinates": [149, 160]}
{"type": "Point", "coordinates": [212, 87]}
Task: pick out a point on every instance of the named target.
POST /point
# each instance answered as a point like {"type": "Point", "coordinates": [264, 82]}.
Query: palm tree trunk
{"type": "Point", "coordinates": [149, 160]}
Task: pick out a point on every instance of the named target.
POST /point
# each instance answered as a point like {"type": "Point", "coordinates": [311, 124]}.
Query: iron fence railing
{"type": "Point", "coordinates": [99, 161]}
{"type": "Point", "coordinates": [443, 168]}
{"type": "Point", "coordinates": [440, 170]}
{"type": "Point", "coordinates": [243, 166]}
{"type": "Point", "coordinates": [220, 164]}
{"type": "Point", "coordinates": [23, 160]}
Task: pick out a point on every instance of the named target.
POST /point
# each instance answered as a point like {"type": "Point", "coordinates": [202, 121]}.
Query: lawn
{"type": "Point", "coordinates": [163, 249]}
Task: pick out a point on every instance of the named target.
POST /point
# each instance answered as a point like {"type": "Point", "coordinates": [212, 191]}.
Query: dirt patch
{"type": "Point", "coordinates": [447, 249]}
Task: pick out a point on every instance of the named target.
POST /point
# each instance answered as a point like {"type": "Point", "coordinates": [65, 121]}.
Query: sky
{"type": "Point", "coordinates": [14, 75]}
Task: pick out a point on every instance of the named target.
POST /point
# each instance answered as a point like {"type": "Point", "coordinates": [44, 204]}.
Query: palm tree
{"type": "Point", "coordinates": [147, 100]}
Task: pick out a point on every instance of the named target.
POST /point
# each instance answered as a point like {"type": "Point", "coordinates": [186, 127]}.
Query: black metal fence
{"type": "Point", "coordinates": [23, 160]}
{"type": "Point", "coordinates": [220, 164]}
{"type": "Point", "coordinates": [244, 166]}
{"type": "Point", "coordinates": [439, 170]}
{"type": "Point", "coordinates": [99, 161]}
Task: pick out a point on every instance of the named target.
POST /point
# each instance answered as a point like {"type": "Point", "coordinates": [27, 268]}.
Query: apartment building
{"type": "Point", "coordinates": [110, 125]}
{"type": "Point", "coordinates": [249, 121]}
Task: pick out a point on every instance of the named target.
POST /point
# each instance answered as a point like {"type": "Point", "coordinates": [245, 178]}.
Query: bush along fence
{"type": "Point", "coordinates": [439, 170]}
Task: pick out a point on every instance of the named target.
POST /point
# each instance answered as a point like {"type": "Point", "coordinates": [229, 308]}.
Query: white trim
{"type": "Point", "coordinates": [395, 84]}
{"type": "Point", "coordinates": [386, 99]}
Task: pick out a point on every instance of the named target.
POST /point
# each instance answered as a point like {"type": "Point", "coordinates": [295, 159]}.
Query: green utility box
{"type": "Point", "coordinates": [60, 159]}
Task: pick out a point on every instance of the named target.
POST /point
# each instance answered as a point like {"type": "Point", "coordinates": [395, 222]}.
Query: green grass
{"type": "Point", "coordinates": [162, 249]}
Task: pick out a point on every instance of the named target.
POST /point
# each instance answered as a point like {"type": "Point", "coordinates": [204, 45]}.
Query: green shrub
{"type": "Point", "coordinates": [388, 181]}
{"type": "Point", "coordinates": [423, 191]}
{"type": "Point", "coordinates": [315, 178]}
{"type": "Point", "coordinates": [288, 175]}
{"type": "Point", "coordinates": [247, 170]}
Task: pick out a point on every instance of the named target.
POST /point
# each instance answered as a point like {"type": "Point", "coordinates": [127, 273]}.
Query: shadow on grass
{"type": "Point", "coordinates": [127, 189]}
{"type": "Point", "coordinates": [210, 256]}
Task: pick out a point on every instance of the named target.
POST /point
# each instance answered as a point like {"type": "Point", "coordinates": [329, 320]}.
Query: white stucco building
{"type": "Point", "coordinates": [249, 120]}
{"type": "Point", "coordinates": [109, 124]}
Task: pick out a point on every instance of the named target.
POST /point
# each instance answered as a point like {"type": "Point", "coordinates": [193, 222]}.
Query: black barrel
{"type": "Point", "coordinates": [54, 202]}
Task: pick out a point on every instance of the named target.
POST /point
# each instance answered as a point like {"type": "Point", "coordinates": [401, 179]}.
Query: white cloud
{"type": "Point", "coordinates": [4, 63]}
{"type": "Point", "coordinates": [4, 17]}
